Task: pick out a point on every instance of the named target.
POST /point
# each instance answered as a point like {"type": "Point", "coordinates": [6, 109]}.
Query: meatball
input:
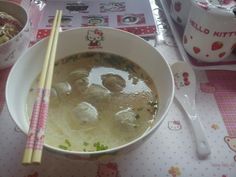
{"type": "Point", "coordinates": [113, 82]}
{"type": "Point", "coordinates": [85, 112]}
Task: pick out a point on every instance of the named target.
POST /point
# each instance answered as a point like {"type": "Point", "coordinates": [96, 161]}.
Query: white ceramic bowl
{"type": "Point", "coordinates": [74, 41]}
{"type": "Point", "coordinates": [11, 50]}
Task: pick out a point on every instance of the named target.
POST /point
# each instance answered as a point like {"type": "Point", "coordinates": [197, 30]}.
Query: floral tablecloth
{"type": "Point", "coordinates": [171, 150]}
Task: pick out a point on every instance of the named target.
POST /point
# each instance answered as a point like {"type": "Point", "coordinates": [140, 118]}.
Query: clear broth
{"type": "Point", "coordinates": [138, 96]}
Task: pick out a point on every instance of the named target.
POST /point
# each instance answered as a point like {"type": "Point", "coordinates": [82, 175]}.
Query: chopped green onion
{"type": "Point", "coordinates": [67, 142]}
{"type": "Point", "coordinates": [63, 147]}
{"type": "Point", "coordinates": [100, 147]}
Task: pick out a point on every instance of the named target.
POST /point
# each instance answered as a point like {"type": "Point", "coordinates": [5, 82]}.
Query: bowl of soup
{"type": "Point", "coordinates": [111, 90]}
{"type": "Point", "coordinates": [14, 32]}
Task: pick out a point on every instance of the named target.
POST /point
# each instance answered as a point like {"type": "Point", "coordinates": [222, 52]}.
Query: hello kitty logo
{"type": "Point", "coordinates": [108, 170]}
{"type": "Point", "coordinates": [181, 80]}
{"type": "Point", "coordinates": [174, 125]}
{"type": "Point", "coordinates": [231, 142]}
{"type": "Point", "coordinates": [95, 37]}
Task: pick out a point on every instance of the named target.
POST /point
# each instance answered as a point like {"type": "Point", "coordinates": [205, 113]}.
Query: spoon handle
{"type": "Point", "coordinates": [203, 148]}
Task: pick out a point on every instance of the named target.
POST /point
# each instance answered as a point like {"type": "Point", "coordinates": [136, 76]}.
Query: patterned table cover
{"type": "Point", "coordinates": [170, 151]}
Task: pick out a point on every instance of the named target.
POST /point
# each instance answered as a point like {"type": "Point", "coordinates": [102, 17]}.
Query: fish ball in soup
{"type": "Point", "coordinates": [97, 92]}
{"type": "Point", "coordinates": [113, 82]}
{"type": "Point", "coordinates": [85, 112]}
{"type": "Point", "coordinates": [78, 74]}
{"type": "Point", "coordinates": [79, 79]}
{"type": "Point", "coordinates": [126, 117]}
{"type": "Point", "coordinates": [62, 88]}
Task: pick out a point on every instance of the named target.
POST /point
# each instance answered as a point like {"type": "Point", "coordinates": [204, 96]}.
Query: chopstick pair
{"type": "Point", "coordinates": [35, 138]}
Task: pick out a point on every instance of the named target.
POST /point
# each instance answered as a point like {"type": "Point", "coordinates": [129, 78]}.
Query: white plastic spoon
{"type": "Point", "coordinates": [185, 90]}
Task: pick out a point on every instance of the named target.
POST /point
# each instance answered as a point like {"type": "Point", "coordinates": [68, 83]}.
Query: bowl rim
{"type": "Point", "coordinates": [114, 149]}
{"type": "Point", "coordinates": [24, 25]}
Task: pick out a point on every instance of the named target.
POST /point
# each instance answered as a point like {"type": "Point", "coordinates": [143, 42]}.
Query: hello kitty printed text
{"type": "Point", "coordinates": [205, 30]}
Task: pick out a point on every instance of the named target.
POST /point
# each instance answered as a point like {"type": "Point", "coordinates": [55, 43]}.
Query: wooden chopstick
{"type": "Point", "coordinates": [35, 138]}
{"type": "Point", "coordinates": [38, 146]}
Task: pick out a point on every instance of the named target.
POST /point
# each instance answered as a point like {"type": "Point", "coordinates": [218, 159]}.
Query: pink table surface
{"type": "Point", "coordinates": [170, 152]}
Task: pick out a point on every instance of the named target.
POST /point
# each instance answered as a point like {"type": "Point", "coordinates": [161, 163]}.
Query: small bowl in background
{"type": "Point", "coordinates": [13, 48]}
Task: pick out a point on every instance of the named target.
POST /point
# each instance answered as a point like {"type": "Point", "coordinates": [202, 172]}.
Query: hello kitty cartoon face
{"type": "Point", "coordinates": [108, 170]}
{"type": "Point", "coordinates": [231, 142]}
{"type": "Point", "coordinates": [174, 125]}
{"type": "Point", "coordinates": [95, 37]}
{"type": "Point", "coordinates": [181, 80]}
